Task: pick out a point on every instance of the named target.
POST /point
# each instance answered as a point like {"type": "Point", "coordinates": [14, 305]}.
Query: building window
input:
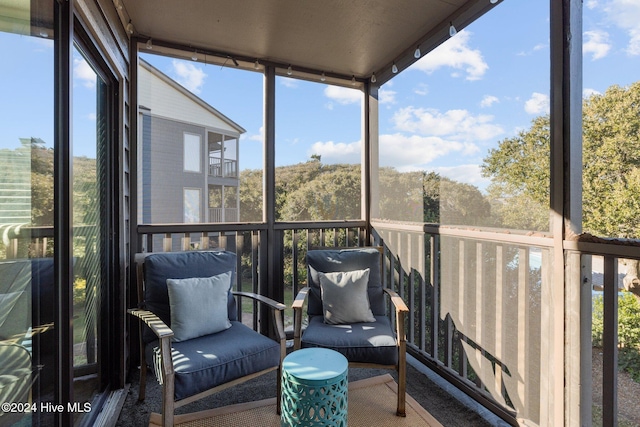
{"type": "Point", "coordinates": [191, 197]}
{"type": "Point", "coordinates": [192, 152]}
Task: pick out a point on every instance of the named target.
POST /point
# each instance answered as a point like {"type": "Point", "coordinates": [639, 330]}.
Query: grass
{"type": "Point", "coordinates": [596, 417]}
{"type": "Point", "coordinates": [247, 306]}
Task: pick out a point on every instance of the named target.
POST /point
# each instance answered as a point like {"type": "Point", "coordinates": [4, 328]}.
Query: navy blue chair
{"type": "Point", "coordinates": [370, 342]}
{"type": "Point", "coordinates": [193, 368]}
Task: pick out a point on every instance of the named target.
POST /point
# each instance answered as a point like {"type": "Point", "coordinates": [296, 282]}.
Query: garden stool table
{"type": "Point", "coordinates": [314, 388]}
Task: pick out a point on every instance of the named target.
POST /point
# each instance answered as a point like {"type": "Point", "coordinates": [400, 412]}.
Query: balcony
{"type": "Point", "coordinates": [223, 169]}
{"type": "Point", "coordinates": [502, 315]}
{"type": "Point", "coordinates": [465, 313]}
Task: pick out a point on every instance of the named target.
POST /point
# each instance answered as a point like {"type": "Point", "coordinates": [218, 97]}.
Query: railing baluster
{"type": "Point", "coordinates": [411, 300]}
{"type": "Point", "coordinates": [462, 300]}
{"type": "Point", "coordinates": [499, 318]}
{"type": "Point", "coordinates": [523, 320]}
{"type": "Point", "coordinates": [422, 294]}
{"type": "Point", "coordinates": [610, 343]}
{"type": "Point", "coordinates": [479, 307]}
{"type": "Point", "coordinates": [167, 242]}
{"type": "Point", "coordinates": [436, 287]}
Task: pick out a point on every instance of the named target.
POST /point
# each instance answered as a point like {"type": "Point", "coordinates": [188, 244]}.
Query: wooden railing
{"type": "Point", "coordinates": [226, 169]}
{"type": "Point", "coordinates": [479, 301]}
{"type": "Point", "coordinates": [223, 215]}
{"type": "Point", "coordinates": [476, 301]}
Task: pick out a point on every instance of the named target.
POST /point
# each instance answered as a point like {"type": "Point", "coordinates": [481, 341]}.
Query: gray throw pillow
{"type": "Point", "coordinates": [199, 305]}
{"type": "Point", "coordinates": [345, 298]}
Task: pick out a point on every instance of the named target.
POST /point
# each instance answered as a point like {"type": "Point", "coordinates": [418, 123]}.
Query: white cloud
{"type": "Point", "coordinates": [488, 101]}
{"type": "Point", "coordinates": [337, 152]}
{"type": "Point", "coordinates": [422, 89]}
{"type": "Point", "coordinates": [423, 137]}
{"type": "Point", "coordinates": [259, 136]}
{"type": "Point", "coordinates": [84, 73]}
{"type": "Point", "coordinates": [343, 95]}
{"type": "Point", "coordinates": [405, 152]}
{"type": "Point", "coordinates": [587, 92]}
{"type": "Point", "coordinates": [289, 82]}
{"type": "Point", "coordinates": [596, 42]}
{"type": "Point", "coordinates": [538, 104]}
{"type": "Point", "coordinates": [455, 53]}
{"type": "Point", "coordinates": [414, 152]}
{"type": "Point", "coordinates": [625, 14]}
{"type": "Point", "coordinates": [540, 46]}
{"type": "Point", "coordinates": [459, 125]}
{"type": "Point", "coordinates": [471, 174]}
{"type": "Point", "coordinates": [386, 96]}
{"type": "Point", "coordinates": [188, 75]}
{"type": "Point", "coordinates": [591, 4]}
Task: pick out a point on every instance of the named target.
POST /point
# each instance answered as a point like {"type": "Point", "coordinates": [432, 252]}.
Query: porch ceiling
{"type": "Point", "coordinates": [345, 38]}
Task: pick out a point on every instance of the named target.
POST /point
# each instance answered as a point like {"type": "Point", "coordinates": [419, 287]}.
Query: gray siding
{"type": "Point", "coordinates": [163, 176]}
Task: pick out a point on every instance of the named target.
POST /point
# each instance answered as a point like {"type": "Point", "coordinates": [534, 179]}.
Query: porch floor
{"type": "Point", "coordinates": [451, 410]}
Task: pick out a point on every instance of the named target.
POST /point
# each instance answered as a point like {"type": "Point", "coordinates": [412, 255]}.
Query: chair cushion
{"type": "Point", "coordinates": [344, 297]}
{"type": "Point", "coordinates": [334, 260]}
{"type": "Point", "coordinates": [205, 362]}
{"type": "Point", "coordinates": [199, 305]}
{"type": "Point", "coordinates": [181, 265]}
{"type": "Point", "coordinates": [359, 342]}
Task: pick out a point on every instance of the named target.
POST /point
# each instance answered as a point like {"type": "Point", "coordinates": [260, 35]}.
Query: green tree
{"type": "Point", "coordinates": [611, 157]}
{"type": "Point", "coordinates": [519, 168]}
{"type": "Point", "coordinates": [251, 195]}
{"type": "Point", "coordinates": [334, 193]}
{"type": "Point", "coordinates": [429, 197]}
{"type": "Point", "coordinates": [41, 185]}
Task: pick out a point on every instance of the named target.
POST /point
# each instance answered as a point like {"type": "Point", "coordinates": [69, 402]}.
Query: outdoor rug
{"type": "Point", "coordinates": [372, 402]}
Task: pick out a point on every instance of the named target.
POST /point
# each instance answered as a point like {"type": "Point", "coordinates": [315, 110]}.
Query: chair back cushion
{"type": "Point", "coordinates": [345, 260]}
{"type": "Point", "coordinates": [199, 305]}
{"type": "Point", "coordinates": [183, 265]}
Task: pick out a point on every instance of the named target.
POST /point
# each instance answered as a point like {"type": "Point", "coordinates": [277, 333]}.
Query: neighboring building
{"type": "Point", "coordinates": [15, 183]}
{"type": "Point", "coordinates": [189, 152]}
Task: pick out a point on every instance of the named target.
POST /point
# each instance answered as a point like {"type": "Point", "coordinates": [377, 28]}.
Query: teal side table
{"type": "Point", "coordinates": [314, 388]}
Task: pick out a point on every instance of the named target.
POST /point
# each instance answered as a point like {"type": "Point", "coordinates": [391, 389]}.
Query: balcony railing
{"type": "Point", "coordinates": [480, 301]}
{"type": "Point", "coordinates": [224, 215]}
{"type": "Point", "coordinates": [223, 169]}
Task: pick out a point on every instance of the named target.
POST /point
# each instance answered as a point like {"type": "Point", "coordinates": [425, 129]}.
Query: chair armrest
{"type": "Point", "coordinates": [401, 312]}
{"type": "Point", "coordinates": [300, 298]}
{"type": "Point", "coordinates": [277, 308]}
{"type": "Point", "coordinates": [153, 322]}
{"type": "Point", "coordinates": [164, 366]}
{"type": "Point", "coordinates": [297, 305]}
{"type": "Point", "coordinates": [398, 302]}
{"type": "Point", "coordinates": [261, 298]}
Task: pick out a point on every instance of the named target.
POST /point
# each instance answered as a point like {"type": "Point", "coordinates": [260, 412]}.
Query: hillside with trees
{"type": "Point", "coordinates": [313, 191]}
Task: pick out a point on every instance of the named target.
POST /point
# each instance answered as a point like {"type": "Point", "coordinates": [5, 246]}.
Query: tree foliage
{"type": "Point", "coordinates": [428, 197]}
{"type": "Point", "coordinates": [519, 168]}
{"type": "Point", "coordinates": [313, 191]}
{"type": "Point", "coordinates": [611, 158]}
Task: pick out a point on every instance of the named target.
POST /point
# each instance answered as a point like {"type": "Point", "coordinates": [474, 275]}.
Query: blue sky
{"type": "Point", "coordinates": [444, 113]}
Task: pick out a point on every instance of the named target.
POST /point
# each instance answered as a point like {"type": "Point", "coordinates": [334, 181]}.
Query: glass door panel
{"type": "Point", "coordinates": [27, 333]}
{"type": "Point", "coordinates": [90, 140]}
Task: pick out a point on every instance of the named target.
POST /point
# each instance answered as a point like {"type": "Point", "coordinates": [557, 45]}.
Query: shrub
{"type": "Point", "coordinates": [628, 331]}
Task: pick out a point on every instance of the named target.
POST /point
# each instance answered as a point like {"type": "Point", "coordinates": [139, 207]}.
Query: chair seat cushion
{"type": "Point", "coordinates": [208, 361]}
{"type": "Point", "coordinates": [373, 342]}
